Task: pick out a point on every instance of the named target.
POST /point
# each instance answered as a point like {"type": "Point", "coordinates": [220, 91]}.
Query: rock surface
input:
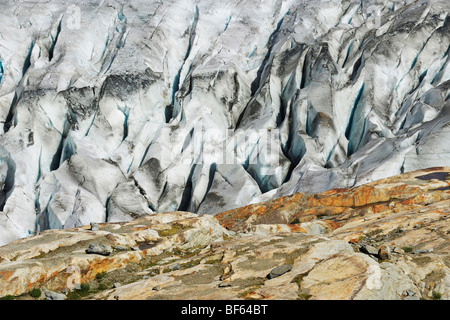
{"type": "Point", "coordinates": [250, 253]}
{"type": "Point", "coordinates": [113, 110]}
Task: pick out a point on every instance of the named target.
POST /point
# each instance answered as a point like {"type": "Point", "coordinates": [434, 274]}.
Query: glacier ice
{"type": "Point", "coordinates": [112, 110]}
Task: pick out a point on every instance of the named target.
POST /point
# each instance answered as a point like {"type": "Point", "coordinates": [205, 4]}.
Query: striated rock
{"type": "Point", "coordinates": [56, 257]}
{"type": "Point", "coordinates": [120, 248]}
{"type": "Point", "coordinates": [392, 249]}
{"type": "Point", "coordinates": [113, 110]}
{"type": "Point", "coordinates": [367, 249]}
{"type": "Point", "coordinates": [384, 253]}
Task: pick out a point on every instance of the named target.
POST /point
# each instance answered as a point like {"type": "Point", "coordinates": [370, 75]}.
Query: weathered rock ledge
{"type": "Point", "coordinates": [388, 239]}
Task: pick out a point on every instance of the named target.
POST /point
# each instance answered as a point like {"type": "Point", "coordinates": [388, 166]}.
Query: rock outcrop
{"type": "Point", "coordinates": [112, 110]}
{"type": "Point", "coordinates": [388, 239]}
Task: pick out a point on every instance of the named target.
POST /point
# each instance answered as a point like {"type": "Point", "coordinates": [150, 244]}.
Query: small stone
{"type": "Point", "coordinates": [116, 285]}
{"type": "Point", "coordinates": [384, 253]}
{"type": "Point", "coordinates": [224, 285]}
{"type": "Point", "coordinates": [279, 271]}
{"type": "Point", "coordinates": [51, 295]}
{"type": "Point", "coordinates": [135, 248]}
{"type": "Point", "coordinates": [94, 226]}
{"type": "Point", "coordinates": [367, 249]}
{"type": "Point", "coordinates": [156, 288]}
{"type": "Point", "coordinates": [99, 249]}
{"type": "Point", "coordinates": [175, 267]}
{"type": "Point", "coordinates": [120, 248]}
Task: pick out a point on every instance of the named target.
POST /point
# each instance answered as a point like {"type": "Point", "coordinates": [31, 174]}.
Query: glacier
{"type": "Point", "coordinates": [111, 109]}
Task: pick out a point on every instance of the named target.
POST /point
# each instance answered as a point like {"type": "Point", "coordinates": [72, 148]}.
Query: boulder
{"type": "Point", "coordinates": [99, 249]}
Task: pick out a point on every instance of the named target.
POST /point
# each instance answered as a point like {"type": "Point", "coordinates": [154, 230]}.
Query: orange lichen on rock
{"type": "Point", "coordinates": [267, 212]}
{"type": "Point", "coordinates": [395, 212]}
{"type": "Point", "coordinates": [333, 224]}
{"type": "Point", "coordinates": [386, 195]}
